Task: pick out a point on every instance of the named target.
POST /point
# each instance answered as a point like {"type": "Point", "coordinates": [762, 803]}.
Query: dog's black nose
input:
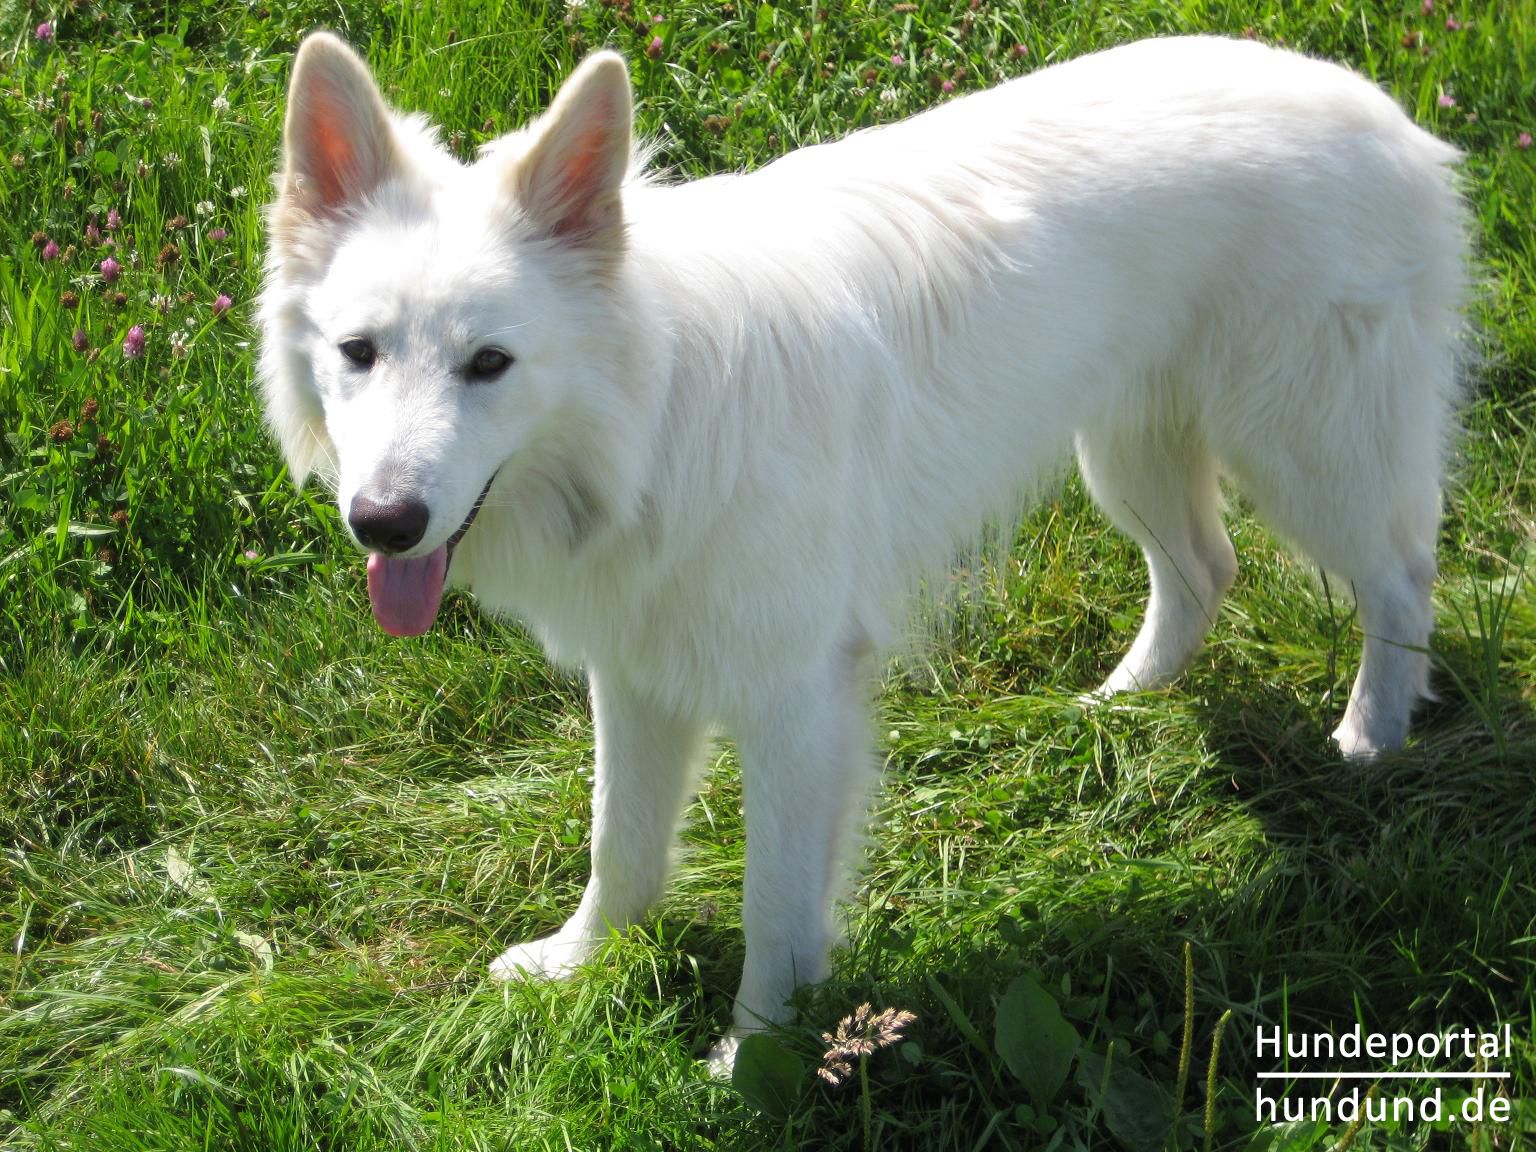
{"type": "Point", "coordinates": [392, 526]}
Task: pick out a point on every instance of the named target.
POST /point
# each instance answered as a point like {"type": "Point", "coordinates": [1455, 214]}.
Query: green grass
{"type": "Point", "coordinates": [256, 855]}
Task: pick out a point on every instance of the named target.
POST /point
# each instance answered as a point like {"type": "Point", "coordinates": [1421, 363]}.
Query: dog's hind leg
{"type": "Point", "coordinates": [1396, 617]}
{"type": "Point", "coordinates": [1370, 517]}
{"type": "Point", "coordinates": [644, 769]}
{"type": "Point", "coordinates": [1374, 528]}
{"type": "Point", "coordinates": [1351, 472]}
{"type": "Point", "coordinates": [1160, 488]}
{"type": "Point", "coordinates": [1382, 540]}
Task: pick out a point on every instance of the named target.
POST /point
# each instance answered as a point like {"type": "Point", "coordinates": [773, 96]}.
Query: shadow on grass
{"type": "Point", "coordinates": [1398, 895]}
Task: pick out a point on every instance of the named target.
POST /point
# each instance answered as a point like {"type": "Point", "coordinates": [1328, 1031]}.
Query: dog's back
{"type": "Point", "coordinates": [1188, 255]}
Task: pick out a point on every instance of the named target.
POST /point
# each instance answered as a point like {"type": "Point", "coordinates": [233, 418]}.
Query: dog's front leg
{"type": "Point", "coordinates": [644, 766]}
{"type": "Point", "coordinates": [806, 773]}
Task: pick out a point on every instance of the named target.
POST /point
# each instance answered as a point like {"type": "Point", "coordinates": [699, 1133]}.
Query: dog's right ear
{"type": "Point", "coordinates": [338, 143]}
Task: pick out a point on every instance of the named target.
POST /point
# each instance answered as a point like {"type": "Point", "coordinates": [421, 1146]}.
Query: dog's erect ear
{"type": "Point", "coordinates": [568, 180]}
{"type": "Point", "coordinates": [338, 144]}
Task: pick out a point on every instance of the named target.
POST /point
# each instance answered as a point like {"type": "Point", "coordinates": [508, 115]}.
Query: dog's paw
{"type": "Point", "coordinates": [552, 958]}
{"type": "Point", "coordinates": [1359, 745]}
{"type": "Point", "coordinates": [721, 1061]}
{"type": "Point", "coordinates": [1366, 733]}
{"type": "Point", "coordinates": [1129, 676]}
{"type": "Point", "coordinates": [1104, 699]}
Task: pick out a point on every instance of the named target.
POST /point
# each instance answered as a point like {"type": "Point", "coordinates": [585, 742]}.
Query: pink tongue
{"type": "Point", "coordinates": [405, 593]}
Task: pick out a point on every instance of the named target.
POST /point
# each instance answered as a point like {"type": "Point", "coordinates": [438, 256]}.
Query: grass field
{"type": "Point", "coordinates": [257, 855]}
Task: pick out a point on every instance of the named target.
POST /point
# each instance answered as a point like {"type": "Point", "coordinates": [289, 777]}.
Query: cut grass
{"type": "Point", "coordinates": [258, 856]}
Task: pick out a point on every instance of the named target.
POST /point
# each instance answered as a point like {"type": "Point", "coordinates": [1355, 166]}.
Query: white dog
{"type": "Point", "coordinates": [708, 438]}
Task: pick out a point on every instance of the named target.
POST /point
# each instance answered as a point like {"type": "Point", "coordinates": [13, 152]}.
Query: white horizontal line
{"type": "Point", "coordinates": [1383, 1075]}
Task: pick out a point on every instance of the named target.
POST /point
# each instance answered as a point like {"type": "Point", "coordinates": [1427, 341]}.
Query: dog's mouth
{"type": "Point", "coordinates": [406, 592]}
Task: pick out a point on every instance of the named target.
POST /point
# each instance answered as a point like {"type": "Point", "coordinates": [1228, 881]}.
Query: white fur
{"type": "Point", "coordinates": [743, 424]}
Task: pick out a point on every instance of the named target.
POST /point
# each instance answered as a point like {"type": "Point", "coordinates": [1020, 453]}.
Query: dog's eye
{"type": "Point", "coordinates": [488, 363]}
{"type": "Point", "coordinates": [360, 352]}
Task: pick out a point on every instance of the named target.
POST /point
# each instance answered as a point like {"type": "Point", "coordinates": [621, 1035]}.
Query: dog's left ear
{"type": "Point", "coordinates": [569, 178]}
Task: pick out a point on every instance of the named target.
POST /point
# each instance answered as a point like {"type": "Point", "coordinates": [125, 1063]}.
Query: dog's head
{"type": "Point", "coordinates": [430, 328]}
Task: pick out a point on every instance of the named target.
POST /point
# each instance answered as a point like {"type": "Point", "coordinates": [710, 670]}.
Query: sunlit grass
{"type": "Point", "coordinates": [257, 855]}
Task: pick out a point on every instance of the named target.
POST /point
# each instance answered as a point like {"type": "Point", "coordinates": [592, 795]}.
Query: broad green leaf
{"type": "Point", "coordinates": [1035, 1040]}
{"type": "Point", "coordinates": [768, 1076]}
{"type": "Point", "coordinates": [31, 500]}
{"type": "Point", "coordinates": [1135, 1110]}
